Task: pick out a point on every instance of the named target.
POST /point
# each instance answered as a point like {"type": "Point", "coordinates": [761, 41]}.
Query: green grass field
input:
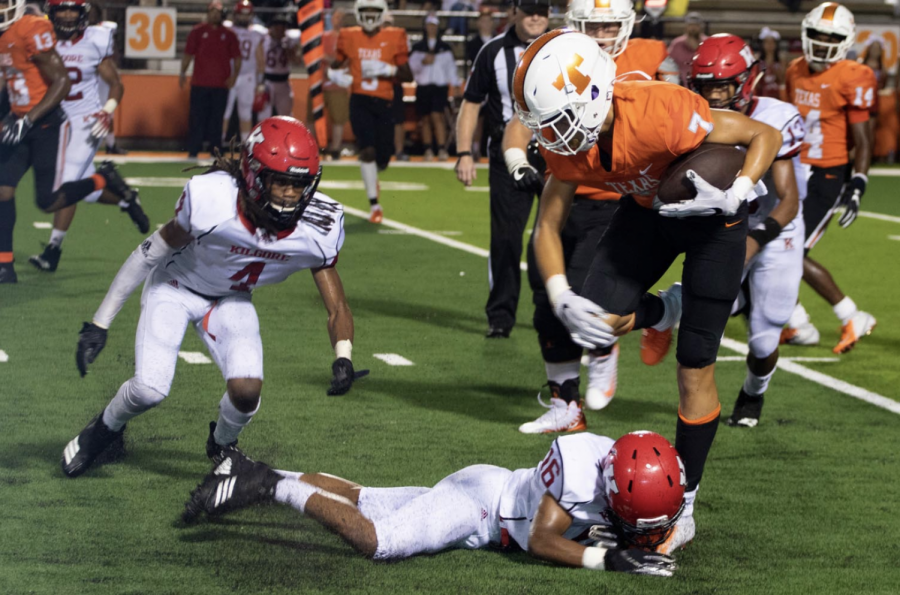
{"type": "Point", "coordinates": [805, 503]}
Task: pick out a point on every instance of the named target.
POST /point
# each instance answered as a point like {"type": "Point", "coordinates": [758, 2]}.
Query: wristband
{"type": "Point", "coordinates": [343, 348]}
{"type": "Point", "coordinates": [556, 286]}
{"type": "Point", "coordinates": [464, 153]}
{"type": "Point", "coordinates": [111, 105]}
{"type": "Point", "coordinates": [742, 187]}
{"type": "Point", "coordinates": [859, 182]}
{"type": "Point", "coordinates": [515, 158]}
{"type": "Point", "coordinates": [766, 231]}
{"type": "Point", "coordinates": [594, 558]}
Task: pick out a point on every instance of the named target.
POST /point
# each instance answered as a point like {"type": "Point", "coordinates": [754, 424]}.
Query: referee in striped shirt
{"type": "Point", "coordinates": [490, 82]}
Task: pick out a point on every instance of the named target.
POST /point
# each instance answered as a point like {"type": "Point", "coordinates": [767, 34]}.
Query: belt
{"type": "Point", "coordinates": [203, 295]}
{"type": "Point", "coordinates": [277, 78]}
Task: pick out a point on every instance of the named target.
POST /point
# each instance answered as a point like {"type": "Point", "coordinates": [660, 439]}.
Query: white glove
{"type": "Point", "coordinates": [377, 68]}
{"type": "Point", "coordinates": [340, 77]}
{"type": "Point", "coordinates": [712, 201]}
{"type": "Point", "coordinates": [584, 320]}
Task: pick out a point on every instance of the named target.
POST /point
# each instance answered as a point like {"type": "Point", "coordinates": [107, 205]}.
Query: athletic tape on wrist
{"type": "Point", "coordinates": [514, 158]}
{"type": "Point", "coordinates": [594, 558]}
{"type": "Point", "coordinates": [110, 106]}
{"type": "Point", "coordinates": [556, 286]}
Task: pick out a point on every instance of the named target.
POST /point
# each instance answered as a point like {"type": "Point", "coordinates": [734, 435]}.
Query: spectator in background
{"type": "Point", "coordinates": [683, 47]}
{"type": "Point", "coordinates": [883, 124]}
{"type": "Point", "coordinates": [212, 47]}
{"type": "Point", "coordinates": [772, 83]}
{"type": "Point", "coordinates": [434, 68]}
{"type": "Point", "coordinates": [484, 26]}
{"type": "Point", "coordinates": [281, 52]}
{"type": "Point", "coordinates": [336, 91]}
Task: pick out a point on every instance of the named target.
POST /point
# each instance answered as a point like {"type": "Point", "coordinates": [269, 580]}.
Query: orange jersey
{"type": "Point", "coordinates": [828, 100]}
{"type": "Point", "coordinates": [27, 37]}
{"type": "Point", "coordinates": [387, 45]}
{"type": "Point", "coordinates": [654, 123]}
{"type": "Point", "coordinates": [641, 57]}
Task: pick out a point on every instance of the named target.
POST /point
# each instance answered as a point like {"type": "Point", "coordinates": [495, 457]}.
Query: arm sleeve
{"type": "Point", "coordinates": [479, 84]}
{"type": "Point", "coordinates": [689, 120]}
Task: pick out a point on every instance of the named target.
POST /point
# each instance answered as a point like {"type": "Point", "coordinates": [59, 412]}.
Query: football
{"type": "Point", "coordinates": [717, 164]}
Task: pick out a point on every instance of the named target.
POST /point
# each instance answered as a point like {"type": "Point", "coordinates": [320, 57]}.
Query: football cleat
{"type": "Point", "coordinates": [859, 325]}
{"type": "Point", "coordinates": [220, 493]}
{"type": "Point", "coordinates": [48, 260]}
{"type": "Point", "coordinates": [80, 453]}
{"type": "Point", "coordinates": [681, 535]}
{"type": "Point", "coordinates": [215, 451]}
{"type": "Point", "coordinates": [747, 410]}
{"type": "Point", "coordinates": [8, 273]}
{"type": "Point", "coordinates": [655, 344]}
{"type": "Point", "coordinates": [561, 416]}
{"type": "Point", "coordinates": [602, 375]}
{"type": "Point", "coordinates": [136, 211]}
{"type": "Point", "coordinates": [497, 332]}
{"type": "Point", "coordinates": [115, 150]}
{"type": "Point", "coordinates": [376, 215]}
{"type": "Point", "coordinates": [114, 181]}
{"type": "Point", "coordinates": [805, 334]}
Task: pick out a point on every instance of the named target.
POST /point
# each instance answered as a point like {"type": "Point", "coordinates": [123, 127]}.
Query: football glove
{"type": "Point", "coordinates": [102, 124]}
{"type": "Point", "coordinates": [603, 536]}
{"type": "Point", "coordinates": [376, 68]}
{"type": "Point", "coordinates": [340, 77]}
{"type": "Point", "coordinates": [584, 320]}
{"type": "Point", "coordinates": [635, 561]}
{"type": "Point", "coordinates": [343, 378]}
{"type": "Point", "coordinates": [525, 177]}
{"type": "Point", "coordinates": [14, 129]}
{"type": "Point", "coordinates": [850, 198]}
{"type": "Point", "coordinates": [91, 341]}
{"type": "Point", "coordinates": [712, 201]}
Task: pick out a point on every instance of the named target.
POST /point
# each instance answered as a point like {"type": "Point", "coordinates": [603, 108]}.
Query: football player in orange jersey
{"type": "Point", "coordinates": [35, 132]}
{"type": "Point", "coordinates": [623, 138]}
{"type": "Point", "coordinates": [610, 23]}
{"type": "Point", "coordinates": [832, 94]}
{"type": "Point", "coordinates": [376, 55]}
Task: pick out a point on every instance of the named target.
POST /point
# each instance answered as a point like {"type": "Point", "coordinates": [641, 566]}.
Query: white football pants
{"type": "Point", "coordinates": [242, 95]}
{"type": "Point", "coordinates": [80, 151]}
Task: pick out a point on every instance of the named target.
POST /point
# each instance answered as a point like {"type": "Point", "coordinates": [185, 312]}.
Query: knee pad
{"type": "Point", "coordinates": [697, 348]}
{"type": "Point", "coordinates": [764, 343]}
{"type": "Point", "coordinates": [141, 396]}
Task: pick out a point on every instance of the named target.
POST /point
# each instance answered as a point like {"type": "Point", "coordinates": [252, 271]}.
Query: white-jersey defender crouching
{"type": "Point", "coordinates": [590, 503]}
{"type": "Point", "coordinates": [245, 224]}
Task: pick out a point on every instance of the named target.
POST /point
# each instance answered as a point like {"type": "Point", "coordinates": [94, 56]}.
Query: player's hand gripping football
{"type": "Point", "coordinates": [14, 129]}
{"type": "Point", "coordinates": [635, 561]}
{"type": "Point", "coordinates": [343, 377]}
{"type": "Point", "coordinates": [710, 200]}
{"type": "Point", "coordinates": [91, 341]}
{"type": "Point", "coordinates": [584, 320]}
{"type": "Point", "coordinates": [850, 198]}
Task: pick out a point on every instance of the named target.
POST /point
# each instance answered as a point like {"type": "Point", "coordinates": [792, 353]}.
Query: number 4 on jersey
{"type": "Point", "coordinates": [252, 272]}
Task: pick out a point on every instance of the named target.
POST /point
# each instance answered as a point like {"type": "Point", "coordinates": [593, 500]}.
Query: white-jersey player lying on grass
{"type": "Point", "coordinates": [590, 503]}
{"type": "Point", "coordinates": [87, 53]}
{"type": "Point", "coordinates": [724, 72]}
{"type": "Point", "coordinates": [244, 224]}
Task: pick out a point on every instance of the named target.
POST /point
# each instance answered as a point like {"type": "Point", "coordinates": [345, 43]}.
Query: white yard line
{"type": "Point", "coordinates": [895, 238]}
{"type": "Point", "coordinates": [879, 216]}
{"type": "Point", "coordinates": [42, 225]}
{"type": "Point", "coordinates": [3, 357]}
{"type": "Point", "coordinates": [741, 348]}
{"type": "Point", "coordinates": [194, 357]}
{"type": "Point", "coordinates": [392, 359]}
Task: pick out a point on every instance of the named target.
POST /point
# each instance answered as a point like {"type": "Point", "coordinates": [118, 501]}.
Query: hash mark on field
{"type": "Point", "coordinates": [393, 359]}
{"type": "Point", "coordinates": [43, 225]}
{"type": "Point", "coordinates": [194, 357]}
{"type": "Point", "coordinates": [3, 357]}
{"type": "Point", "coordinates": [477, 188]}
{"type": "Point", "coordinates": [896, 238]}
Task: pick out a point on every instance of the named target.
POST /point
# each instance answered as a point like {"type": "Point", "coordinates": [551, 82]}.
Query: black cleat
{"type": "Point", "coordinates": [80, 453]}
{"type": "Point", "coordinates": [115, 150]}
{"type": "Point", "coordinates": [221, 492]}
{"type": "Point", "coordinates": [216, 452]}
{"type": "Point", "coordinates": [48, 260]}
{"type": "Point", "coordinates": [136, 211]}
{"type": "Point", "coordinates": [8, 273]}
{"type": "Point", "coordinates": [114, 181]}
{"type": "Point", "coordinates": [497, 332]}
{"type": "Point", "coordinates": [747, 410]}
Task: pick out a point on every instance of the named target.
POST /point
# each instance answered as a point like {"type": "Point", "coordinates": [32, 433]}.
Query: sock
{"type": "Point", "coordinates": [294, 475]}
{"type": "Point", "coordinates": [798, 316]}
{"type": "Point", "coordinates": [373, 204]}
{"type": "Point", "coordinates": [56, 237]}
{"type": "Point", "coordinates": [689, 498]}
{"type": "Point", "coordinates": [294, 493]}
{"type": "Point", "coordinates": [693, 439]}
{"type": "Point", "coordinates": [568, 390]}
{"type": "Point", "coordinates": [650, 311]}
{"type": "Point", "coordinates": [370, 180]}
{"type": "Point", "coordinates": [231, 421]}
{"type": "Point", "coordinates": [845, 309]}
{"type": "Point", "coordinates": [132, 399]}
{"type": "Point", "coordinates": [7, 223]}
{"type": "Point", "coordinates": [757, 385]}
{"type": "Point", "coordinates": [561, 372]}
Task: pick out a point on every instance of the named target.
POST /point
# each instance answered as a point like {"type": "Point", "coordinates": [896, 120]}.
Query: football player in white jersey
{"type": "Point", "coordinates": [281, 52]}
{"type": "Point", "coordinates": [87, 54]}
{"type": "Point", "coordinates": [249, 78]}
{"type": "Point", "coordinates": [244, 224]}
{"type": "Point", "coordinates": [724, 72]}
{"type": "Point", "coordinates": [590, 503]}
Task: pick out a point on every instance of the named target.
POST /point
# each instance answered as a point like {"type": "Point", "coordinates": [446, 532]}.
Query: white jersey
{"type": "Point", "coordinates": [248, 40]}
{"type": "Point", "coordinates": [229, 256]}
{"type": "Point", "coordinates": [784, 117]}
{"type": "Point", "coordinates": [572, 474]}
{"type": "Point", "coordinates": [81, 56]}
{"type": "Point", "coordinates": [278, 55]}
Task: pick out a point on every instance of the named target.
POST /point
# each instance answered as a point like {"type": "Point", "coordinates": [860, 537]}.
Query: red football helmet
{"type": "Point", "coordinates": [280, 149]}
{"type": "Point", "coordinates": [243, 7]}
{"type": "Point", "coordinates": [66, 29]}
{"type": "Point", "coordinates": [726, 59]}
{"type": "Point", "coordinates": [645, 484]}
{"type": "Point", "coordinates": [243, 13]}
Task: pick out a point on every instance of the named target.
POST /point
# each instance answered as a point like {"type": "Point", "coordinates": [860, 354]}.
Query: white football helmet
{"type": "Point", "coordinates": [563, 90]}
{"type": "Point", "coordinates": [12, 13]}
{"type": "Point", "coordinates": [833, 19]}
{"type": "Point", "coordinates": [584, 12]}
{"type": "Point", "coordinates": [370, 19]}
